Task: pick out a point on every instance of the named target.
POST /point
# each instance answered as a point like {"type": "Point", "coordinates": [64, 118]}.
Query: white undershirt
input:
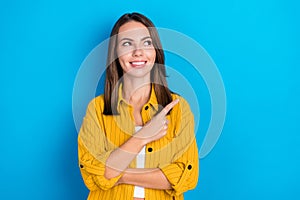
{"type": "Point", "coordinates": [139, 192]}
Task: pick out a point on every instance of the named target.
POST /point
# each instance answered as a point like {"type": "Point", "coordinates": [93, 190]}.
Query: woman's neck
{"type": "Point", "coordinates": [136, 91]}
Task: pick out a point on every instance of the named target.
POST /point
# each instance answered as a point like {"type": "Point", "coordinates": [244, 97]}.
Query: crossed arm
{"type": "Point", "coordinates": [148, 178]}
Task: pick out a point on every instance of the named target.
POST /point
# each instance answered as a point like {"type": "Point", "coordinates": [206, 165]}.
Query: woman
{"type": "Point", "coordinates": [137, 140]}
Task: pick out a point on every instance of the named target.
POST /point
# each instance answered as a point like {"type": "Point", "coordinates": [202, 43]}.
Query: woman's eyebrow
{"type": "Point", "coordinates": [126, 39]}
{"type": "Point", "coordinates": [144, 38]}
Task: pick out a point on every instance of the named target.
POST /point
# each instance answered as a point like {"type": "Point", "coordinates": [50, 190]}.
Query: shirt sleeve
{"type": "Point", "coordinates": [183, 171]}
{"type": "Point", "coordinates": [93, 151]}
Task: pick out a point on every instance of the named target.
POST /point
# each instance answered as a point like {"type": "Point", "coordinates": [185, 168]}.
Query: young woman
{"type": "Point", "coordinates": [137, 140]}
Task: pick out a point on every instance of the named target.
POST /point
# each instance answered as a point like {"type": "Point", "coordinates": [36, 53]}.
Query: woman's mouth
{"type": "Point", "coordinates": [138, 63]}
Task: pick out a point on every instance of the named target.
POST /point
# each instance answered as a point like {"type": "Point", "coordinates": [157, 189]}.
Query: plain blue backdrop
{"type": "Point", "coordinates": [255, 45]}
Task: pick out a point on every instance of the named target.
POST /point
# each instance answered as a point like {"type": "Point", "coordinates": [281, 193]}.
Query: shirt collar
{"type": "Point", "coordinates": [152, 100]}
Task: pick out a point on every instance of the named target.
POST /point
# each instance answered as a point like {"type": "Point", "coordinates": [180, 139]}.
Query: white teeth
{"type": "Point", "coordinates": [138, 63]}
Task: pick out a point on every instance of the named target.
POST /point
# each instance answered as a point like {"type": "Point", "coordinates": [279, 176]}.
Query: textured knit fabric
{"type": "Point", "coordinates": [175, 154]}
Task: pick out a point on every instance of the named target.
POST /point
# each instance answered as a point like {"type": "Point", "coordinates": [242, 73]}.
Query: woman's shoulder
{"type": "Point", "coordinates": [99, 98]}
{"type": "Point", "coordinates": [182, 100]}
{"type": "Point", "coordinates": [182, 108]}
{"type": "Point", "coordinates": [97, 102]}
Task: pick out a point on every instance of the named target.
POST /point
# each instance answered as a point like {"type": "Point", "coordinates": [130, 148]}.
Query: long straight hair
{"type": "Point", "coordinates": [114, 70]}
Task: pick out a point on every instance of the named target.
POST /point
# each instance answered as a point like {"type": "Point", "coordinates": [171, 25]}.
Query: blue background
{"type": "Point", "coordinates": [255, 45]}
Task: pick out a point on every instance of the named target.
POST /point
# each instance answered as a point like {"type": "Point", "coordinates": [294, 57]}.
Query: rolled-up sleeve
{"type": "Point", "coordinates": [93, 151]}
{"type": "Point", "coordinates": [183, 171]}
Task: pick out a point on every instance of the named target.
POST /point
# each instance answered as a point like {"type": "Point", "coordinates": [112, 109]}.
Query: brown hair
{"type": "Point", "coordinates": [114, 71]}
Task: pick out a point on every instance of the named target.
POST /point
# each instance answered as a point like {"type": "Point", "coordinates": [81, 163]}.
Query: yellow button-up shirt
{"type": "Point", "coordinates": [175, 154]}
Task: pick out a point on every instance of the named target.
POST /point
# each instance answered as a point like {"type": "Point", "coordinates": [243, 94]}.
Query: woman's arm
{"type": "Point", "coordinates": [149, 178]}
{"type": "Point", "coordinates": [121, 157]}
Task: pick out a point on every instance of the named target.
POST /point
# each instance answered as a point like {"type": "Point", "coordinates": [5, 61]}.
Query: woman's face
{"type": "Point", "coordinates": [135, 50]}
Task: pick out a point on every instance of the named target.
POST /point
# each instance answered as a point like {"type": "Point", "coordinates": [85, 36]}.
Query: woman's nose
{"type": "Point", "coordinates": [137, 52]}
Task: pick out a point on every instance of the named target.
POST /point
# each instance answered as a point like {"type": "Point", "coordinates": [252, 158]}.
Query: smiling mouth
{"type": "Point", "coordinates": [138, 63]}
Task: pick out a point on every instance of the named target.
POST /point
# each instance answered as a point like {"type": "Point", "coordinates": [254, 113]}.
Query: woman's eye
{"type": "Point", "coordinates": [148, 43]}
{"type": "Point", "coordinates": [126, 44]}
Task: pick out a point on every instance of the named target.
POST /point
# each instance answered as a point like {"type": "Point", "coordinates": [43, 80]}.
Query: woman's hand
{"type": "Point", "coordinates": [157, 127]}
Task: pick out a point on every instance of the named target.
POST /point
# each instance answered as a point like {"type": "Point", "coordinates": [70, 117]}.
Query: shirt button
{"type": "Point", "coordinates": [150, 149]}
{"type": "Point", "coordinates": [189, 167]}
{"type": "Point", "coordinates": [146, 107]}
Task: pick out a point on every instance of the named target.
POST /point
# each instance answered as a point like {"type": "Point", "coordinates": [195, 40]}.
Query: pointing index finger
{"type": "Point", "coordinates": [170, 106]}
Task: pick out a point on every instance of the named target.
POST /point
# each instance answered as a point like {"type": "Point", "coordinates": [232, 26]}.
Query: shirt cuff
{"type": "Point", "coordinates": [177, 174]}
{"type": "Point", "coordinates": [96, 169]}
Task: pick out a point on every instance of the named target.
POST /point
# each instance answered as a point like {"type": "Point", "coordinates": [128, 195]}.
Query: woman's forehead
{"type": "Point", "coordinates": [133, 30]}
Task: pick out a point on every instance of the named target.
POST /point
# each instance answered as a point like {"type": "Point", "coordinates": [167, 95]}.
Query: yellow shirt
{"type": "Point", "coordinates": [175, 154]}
